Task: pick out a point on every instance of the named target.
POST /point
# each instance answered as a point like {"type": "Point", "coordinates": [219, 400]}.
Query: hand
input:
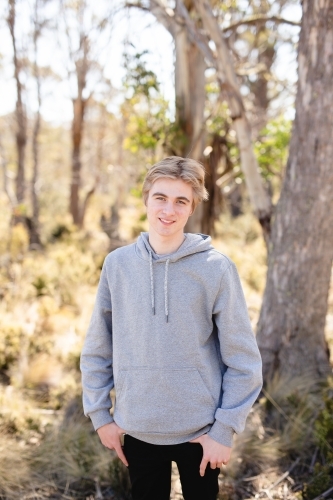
{"type": "Point", "coordinates": [213, 452]}
{"type": "Point", "coordinates": [110, 436]}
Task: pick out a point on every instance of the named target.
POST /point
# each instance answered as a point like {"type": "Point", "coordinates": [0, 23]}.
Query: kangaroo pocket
{"type": "Point", "coordinates": [163, 401]}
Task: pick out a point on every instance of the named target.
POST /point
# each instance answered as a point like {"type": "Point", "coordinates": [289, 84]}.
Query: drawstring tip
{"type": "Point", "coordinates": [167, 318]}
{"type": "Point", "coordinates": [154, 311]}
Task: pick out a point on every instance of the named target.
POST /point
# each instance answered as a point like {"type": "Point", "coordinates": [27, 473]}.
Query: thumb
{"type": "Point", "coordinates": [196, 440]}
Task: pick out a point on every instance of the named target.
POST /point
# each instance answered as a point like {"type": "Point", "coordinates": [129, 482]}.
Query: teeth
{"type": "Point", "coordinates": [167, 221]}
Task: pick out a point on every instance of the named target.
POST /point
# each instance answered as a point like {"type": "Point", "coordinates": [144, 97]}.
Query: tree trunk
{"type": "Point", "coordinates": [21, 120]}
{"type": "Point", "coordinates": [77, 135]}
{"type": "Point", "coordinates": [190, 103]}
{"type": "Point", "coordinates": [4, 163]}
{"type": "Point", "coordinates": [292, 320]}
{"type": "Point", "coordinates": [218, 156]}
{"type": "Point", "coordinates": [34, 235]}
{"type": "Point", "coordinates": [226, 72]}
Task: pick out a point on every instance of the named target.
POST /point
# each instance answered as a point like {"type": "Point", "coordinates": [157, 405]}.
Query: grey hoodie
{"type": "Point", "coordinates": [172, 335]}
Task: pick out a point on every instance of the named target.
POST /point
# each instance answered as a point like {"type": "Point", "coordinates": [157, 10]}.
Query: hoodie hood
{"type": "Point", "coordinates": [193, 243]}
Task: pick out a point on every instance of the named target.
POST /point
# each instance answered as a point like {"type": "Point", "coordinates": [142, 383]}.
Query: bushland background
{"type": "Point", "coordinates": [91, 96]}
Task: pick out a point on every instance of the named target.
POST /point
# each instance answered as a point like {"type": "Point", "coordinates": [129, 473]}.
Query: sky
{"type": "Point", "coordinates": [140, 28]}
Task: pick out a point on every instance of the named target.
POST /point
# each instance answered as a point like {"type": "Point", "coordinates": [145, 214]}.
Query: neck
{"type": "Point", "coordinates": [162, 245]}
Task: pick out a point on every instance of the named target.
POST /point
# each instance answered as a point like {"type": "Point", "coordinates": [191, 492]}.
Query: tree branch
{"type": "Point", "coordinates": [195, 36]}
{"type": "Point", "coordinates": [260, 19]}
{"type": "Point", "coordinates": [163, 14]}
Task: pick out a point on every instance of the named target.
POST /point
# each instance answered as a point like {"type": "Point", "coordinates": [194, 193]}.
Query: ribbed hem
{"type": "Point", "coordinates": [100, 418]}
{"type": "Point", "coordinates": [166, 439]}
{"type": "Point", "coordinates": [221, 433]}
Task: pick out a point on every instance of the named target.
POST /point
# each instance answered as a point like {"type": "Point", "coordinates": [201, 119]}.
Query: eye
{"type": "Point", "coordinates": [181, 202]}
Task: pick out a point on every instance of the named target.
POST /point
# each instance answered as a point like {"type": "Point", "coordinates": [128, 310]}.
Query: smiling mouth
{"type": "Point", "coordinates": [167, 222]}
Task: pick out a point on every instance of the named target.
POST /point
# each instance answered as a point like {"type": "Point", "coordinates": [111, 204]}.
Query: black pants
{"type": "Point", "coordinates": [150, 470]}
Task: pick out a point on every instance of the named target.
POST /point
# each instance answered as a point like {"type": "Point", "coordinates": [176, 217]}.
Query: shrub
{"type": "Point", "coordinates": [10, 344]}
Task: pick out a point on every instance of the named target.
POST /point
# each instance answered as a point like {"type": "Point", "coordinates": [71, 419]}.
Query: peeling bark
{"type": "Point", "coordinates": [292, 320]}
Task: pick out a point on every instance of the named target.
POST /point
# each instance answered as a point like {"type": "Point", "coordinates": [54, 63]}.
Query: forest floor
{"type": "Point", "coordinates": [47, 447]}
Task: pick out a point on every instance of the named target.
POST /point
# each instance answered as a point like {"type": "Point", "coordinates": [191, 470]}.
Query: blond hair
{"type": "Point", "coordinates": [176, 167]}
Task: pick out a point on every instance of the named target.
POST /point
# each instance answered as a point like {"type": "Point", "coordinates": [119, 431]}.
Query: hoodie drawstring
{"type": "Point", "coordinates": [166, 290]}
{"type": "Point", "coordinates": [152, 293]}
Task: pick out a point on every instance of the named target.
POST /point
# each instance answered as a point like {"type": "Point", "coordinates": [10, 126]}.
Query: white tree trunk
{"type": "Point", "coordinates": [226, 73]}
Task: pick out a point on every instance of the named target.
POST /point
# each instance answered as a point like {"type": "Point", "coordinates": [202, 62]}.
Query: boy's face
{"type": "Point", "coordinates": [169, 205]}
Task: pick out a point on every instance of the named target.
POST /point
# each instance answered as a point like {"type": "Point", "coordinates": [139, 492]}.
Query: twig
{"type": "Point", "coordinates": [260, 19]}
{"type": "Point", "coordinates": [99, 495]}
{"type": "Point", "coordinates": [285, 475]}
{"type": "Point", "coordinates": [313, 460]}
{"type": "Point", "coordinates": [325, 494]}
{"type": "Point", "coordinates": [252, 478]}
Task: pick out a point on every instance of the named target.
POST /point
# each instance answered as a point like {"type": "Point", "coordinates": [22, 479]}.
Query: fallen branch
{"type": "Point", "coordinates": [325, 494]}
{"type": "Point", "coordinates": [313, 461]}
{"type": "Point", "coordinates": [285, 475]}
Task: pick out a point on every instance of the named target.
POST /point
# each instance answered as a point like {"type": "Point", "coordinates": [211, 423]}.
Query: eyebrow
{"type": "Point", "coordinates": [178, 197]}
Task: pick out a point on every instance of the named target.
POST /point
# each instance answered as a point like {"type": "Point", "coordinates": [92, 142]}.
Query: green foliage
{"type": "Point", "coordinates": [145, 110]}
{"type": "Point", "coordinates": [40, 283]}
{"type": "Point", "coordinates": [139, 79]}
{"type": "Point", "coordinates": [60, 231]}
{"type": "Point", "coordinates": [321, 480]}
{"type": "Point", "coordinates": [272, 147]}
{"type": "Point", "coordinates": [322, 476]}
{"type": "Point", "coordinates": [324, 424]}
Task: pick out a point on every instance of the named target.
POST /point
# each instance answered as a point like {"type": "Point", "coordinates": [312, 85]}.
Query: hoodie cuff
{"type": "Point", "coordinates": [221, 433]}
{"type": "Point", "coordinates": [100, 418]}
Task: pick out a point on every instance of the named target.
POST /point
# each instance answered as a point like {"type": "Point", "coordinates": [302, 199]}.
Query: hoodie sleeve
{"type": "Point", "coordinates": [96, 358]}
{"type": "Point", "coordinates": [242, 380]}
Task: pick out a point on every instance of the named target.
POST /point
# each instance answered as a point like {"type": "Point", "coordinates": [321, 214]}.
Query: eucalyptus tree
{"type": "Point", "coordinates": [292, 321]}
{"type": "Point", "coordinates": [85, 29]}
{"type": "Point", "coordinates": [20, 107]}
{"type": "Point", "coordinates": [38, 23]}
{"type": "Point", "coordinates": [202, 40]}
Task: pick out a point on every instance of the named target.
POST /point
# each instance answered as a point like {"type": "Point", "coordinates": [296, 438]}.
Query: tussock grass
{"type": "Point", "coordinates": [15, 474]}
{"type": "Point", "coordinates": [71, 452]}
{"type": "Point", "coordinates": [71, 457]}
{"type": "Point", "coordinates": [48, 448]}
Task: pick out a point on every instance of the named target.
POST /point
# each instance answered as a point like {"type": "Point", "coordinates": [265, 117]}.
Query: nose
{"type": "Point", "coordinates": [169, 208]}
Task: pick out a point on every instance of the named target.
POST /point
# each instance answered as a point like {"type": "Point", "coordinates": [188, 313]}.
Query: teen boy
{"type": "Point", "coordinates": [170, 332]}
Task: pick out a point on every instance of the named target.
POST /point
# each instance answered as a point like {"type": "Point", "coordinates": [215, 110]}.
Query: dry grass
{"type": "Point", "coordinates": [14, 468]}
{"type": "Point", "coordinates": [47, 450]}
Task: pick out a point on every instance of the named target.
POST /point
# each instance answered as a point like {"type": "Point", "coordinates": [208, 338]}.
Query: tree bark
{"type": "Point", "coordinates": [34, 234]}
{"type": "Point", "coordinates": [292, 320]}
{"type": "Point", "coordinates": [77, 209]}
{"type": "Point", "coordinates": [77, 136]}
{"type": "Point", "coordinates": [190, 102]}
{"type": "Point", "coordinates": [218, 156]}
{"type": "Point", "coordinates": [21, 119]}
